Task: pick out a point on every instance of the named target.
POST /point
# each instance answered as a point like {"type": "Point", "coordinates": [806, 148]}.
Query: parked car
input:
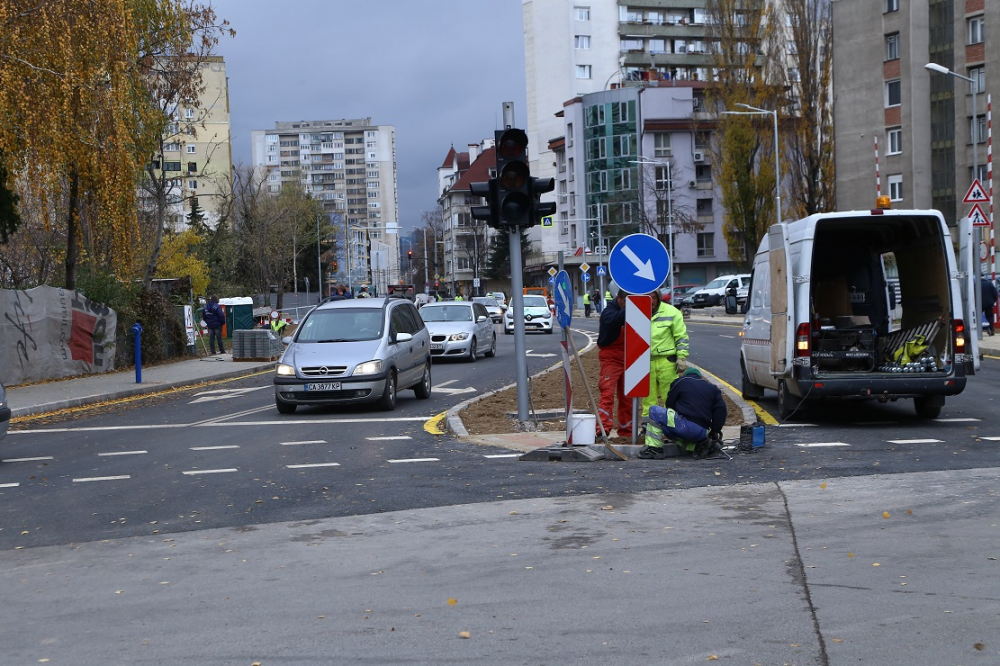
{"type": "Point", "coordinates": [537, 315]}
{"type": "Point", "coordinates": [500, 298]}
{"type": "Point", "coordinates": [4, 412]}
{"type": "Point", "coordinates": [679, 291]}
{"type": "Point", "coordinates": [714, 293]}
{"type": "Point", "coordinates": [355, 351]}
{"type": "Point", "coordinates": [492, 307]}
{"type": "Point", "coordinates": [462, 329]}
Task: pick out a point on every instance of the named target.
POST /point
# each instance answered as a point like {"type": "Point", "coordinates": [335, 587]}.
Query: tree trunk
{"type": "Point", "coordinates": [72, 222]}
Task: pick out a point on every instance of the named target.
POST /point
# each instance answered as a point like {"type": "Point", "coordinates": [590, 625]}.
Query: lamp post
{"type": "Point", "coordinates": [754, 111]}
{"type": "Point", "coordinates": [670, 214]}
{"type": "Point", "coordinates": [319, 264]}
{"type": "Point", "coordinates": [426, 286]}
{"type": "Point", "coordinates": [974, 135]}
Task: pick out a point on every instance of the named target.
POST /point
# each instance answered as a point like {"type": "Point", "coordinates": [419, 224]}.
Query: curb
{"type": "Point", "coordinates": [142, 389]}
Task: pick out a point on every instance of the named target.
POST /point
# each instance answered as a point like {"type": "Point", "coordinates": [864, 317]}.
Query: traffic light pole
{"type": "Point", "coordinates": [517, 302]}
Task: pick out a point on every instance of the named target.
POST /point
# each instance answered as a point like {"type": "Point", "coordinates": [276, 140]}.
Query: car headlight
{"type": "Point", "coordinates": [510, 315]}
{"type": "Point", "coordinates": [548, 315]}
{"type": "Point", "coordinates": [284, 370]}
{"type": "Point", "coordinates": [369, 368]}
{"type": "Point", "coordinates": [455, 337]}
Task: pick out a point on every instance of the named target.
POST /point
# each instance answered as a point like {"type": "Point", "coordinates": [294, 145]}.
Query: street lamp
{"type": "Point", "coordinates": [670, 215]}
{"type": "Point", "coordinates": [754, 111]}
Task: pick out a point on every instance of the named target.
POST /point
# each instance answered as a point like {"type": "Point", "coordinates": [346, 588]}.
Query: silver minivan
{"type": "Point", "coordinates": [355, 351]}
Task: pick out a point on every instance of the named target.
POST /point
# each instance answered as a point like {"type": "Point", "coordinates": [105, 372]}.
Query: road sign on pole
{"type": "Point", "coordinates": [639, 263]}
{"type": "Point", "coordinates": [976, 194]}
{"type": "Point", "coordinates": [978, 217]}
{"type": "Point", "coordinates": [585, 267]}
{"type": "Point", "coordinates": [563, 299]}
{"type": "Point", "coordinates": [585, 277]}
{"type": "Point", "coordinates": [638, 327]}
{"type": "Point", "coordinates": [601, 270]}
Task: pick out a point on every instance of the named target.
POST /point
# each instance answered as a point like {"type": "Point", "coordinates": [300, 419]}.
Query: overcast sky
{"type": "Point", "coordinates": [438, 70]}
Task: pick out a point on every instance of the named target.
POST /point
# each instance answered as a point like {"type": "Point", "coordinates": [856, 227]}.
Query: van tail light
{"type": "Point", "coordinates": [802, 340]}
{"type": "Point", "coordinates": [958, 334]}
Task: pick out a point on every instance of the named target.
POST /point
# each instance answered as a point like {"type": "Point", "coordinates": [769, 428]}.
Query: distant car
{"type": "Point", "coordinates": [537, 315]}
{"type": "Point", "coordinates": [4, 412]}
{"type": "Point", "coordinates": [714, 293]}
{"type": "Point", "coordinates": [460, 329]}
{"type": "Point", "coordinates": [491, 305]}
{"type": "Point", "coordinates": [500, 298]}
{"type": "Point", "coordinates": [421, 300]}
{"type": "Point", "coordinates": [679, 291]}
{"type": "Point", "coordinates": [355, 351]}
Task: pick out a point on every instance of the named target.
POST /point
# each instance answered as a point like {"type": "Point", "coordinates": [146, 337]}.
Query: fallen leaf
{"type": "Point", "coordinates": [24, 532]}
{"type": "Point", "coordinates": [464, 634]}
{"type": "Point", "coordinates": [712, 657]}
{"type": "Point", "coordinates": [822, 486]}
{"type": "Point", "coordinates": [321, 617]}
{"type": "Point", "coordinates": [118, 591]}
{"type": "Point", "coordinates": [603, 508]}
{"type": "Point", "coordinates": [512, 513]}
{"type": "Point", "coordinates": [452, 601]}
{"type": "Point", "coordinates": [979, 646]}
{"type": "Point", "coordinates": [885, 514]}
{"type": "Point", "coordinates": [876, 564]}
{"type": "Point", "coordinates": [909, 512]}
{"type": "Point", "coordinates": [838, 640]}
{"type": "Point", "coordinates": [850, 554]}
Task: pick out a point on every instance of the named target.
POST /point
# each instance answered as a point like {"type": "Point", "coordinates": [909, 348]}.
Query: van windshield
{"type": "Point", "coordinates": [341, 325]}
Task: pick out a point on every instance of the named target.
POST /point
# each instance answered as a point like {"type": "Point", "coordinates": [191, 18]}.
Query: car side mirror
{"type": "Point", "coordinates": [481, 319]}
{"type": "Point", "coordinates": [287, 340]}
{"type": "Point", "coordinates": [404, 337]}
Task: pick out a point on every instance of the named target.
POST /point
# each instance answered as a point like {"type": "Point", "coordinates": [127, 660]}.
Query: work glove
{"type": "Point", "coordinates": [681, 366]}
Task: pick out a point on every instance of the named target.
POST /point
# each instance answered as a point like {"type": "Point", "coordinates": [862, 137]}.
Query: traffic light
{"type": "Point", "coordinates": [513, 181]}
{"type": "Point", "coordinates": [540, 186]}
{"type": "Point", "coordinates": [333, 266]}
{"type": "Point", "coordinates": [488, 213]}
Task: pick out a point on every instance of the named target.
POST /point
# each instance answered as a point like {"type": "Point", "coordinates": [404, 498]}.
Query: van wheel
{"type": "Point", "coordinates": [787, 403]}
{"type": "Point", "coordinates": [387, 402]}
{"type": "Point", "coordinates": [928, 407]}
{"type": "Point", "coordinates": [748, 389]}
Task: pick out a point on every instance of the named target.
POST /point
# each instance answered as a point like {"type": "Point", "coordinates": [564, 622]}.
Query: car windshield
{"type": "Point", "coordinates": [488, 302]}
{"type": "Point", "coordinates": [341, 325]}
{"type": "Point", "coordinates": [535, 302]}
{"type": "Point", "coordinates": [717, 283]}
{"type": "Point", "coordinates": [446, 313]}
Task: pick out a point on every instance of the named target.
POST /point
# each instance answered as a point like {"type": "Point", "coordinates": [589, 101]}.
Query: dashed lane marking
{"type": "Point", "coordinates": [387, 439]}
{"type": "Point", "coordinates": [215, 448]}
{"type": "Point", "coordinates": [409, 460]}
{"type": "Point", "coordinates": [10, 460]}
{"type": "Point", "coordinates": [309, 422]}
{"type": "Point", "coordinates": [914, 441]}
{"type": "Point", "coordinates": [123, 453]}
{"type": "Point", "coordinates": [796, 425]}
{"type": "Point", "coordinates": [503, 455]}
{"type": "Point", "coordinates": [816, 445]}
{"type": "Point", "coordinates": [9, 485]}
{"type": "Point", "coordinates": [991, 439]}
{"type": "Point", "coordinates": [875, 423]}
{"type": "Point", "coordinates": [305, 441]}
{"type": "Point", "coordinates": [214, 423]}
{"type": "Point", "coordinates": [98, 428]}
{"type": "Point", "coordinates": [103, 478]}
{"type": "Point", "coordinates": [967, 419]}
{"type": "Point", "coordinates": [313, 465]}
{"type": "Point", "coordinates": [210, 471]}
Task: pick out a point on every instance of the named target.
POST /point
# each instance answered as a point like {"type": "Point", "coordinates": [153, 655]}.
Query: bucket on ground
{"type": "Point", "coordinates": [584, 426]}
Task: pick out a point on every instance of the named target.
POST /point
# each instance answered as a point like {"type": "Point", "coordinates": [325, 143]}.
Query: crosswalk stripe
{"type": "Point", "coordinates": [305, 441]}
{"type": "Point", "coordinates": [102, 478]}
{"type": "Point", "coordinates": [914, 441]}
{"type": "Point", "coordinates": [409, 460]}
{"type": "Point", "coordinates": [215, 448]}
{"type": "Point", "coordinates": [9, 460]}
{"type": "Point", "coordinates": [211, 471]}
{"type": "Point", "coordinates": [387, 439]}
{"type": "Point", "coordinates": [815, 445]}
{"type": "Point", "coordinates": [304, 466]}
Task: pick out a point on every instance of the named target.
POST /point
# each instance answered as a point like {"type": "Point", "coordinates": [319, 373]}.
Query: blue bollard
{"type": "Point", "coordinates": [137, 332]}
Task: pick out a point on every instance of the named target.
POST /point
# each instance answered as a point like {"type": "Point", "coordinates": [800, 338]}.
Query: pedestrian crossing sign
{"type": "Point", "coordinates": [547, 221]}
{"type": "Point", "coordinates": [601, 270]}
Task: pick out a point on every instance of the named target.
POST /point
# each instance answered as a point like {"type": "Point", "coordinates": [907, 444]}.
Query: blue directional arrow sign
{"type": "Point", "coordinates": [552, 280]}
{"type": "Point", "coordinates": [585, 277]}
{"type": "Point", "coordinates": [639, 264]}
{"type": "Point", "coordinates": [563, 299]}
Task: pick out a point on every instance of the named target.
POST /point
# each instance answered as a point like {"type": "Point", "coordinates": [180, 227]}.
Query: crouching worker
{"type": "Point", "coordinates": [692, 418]}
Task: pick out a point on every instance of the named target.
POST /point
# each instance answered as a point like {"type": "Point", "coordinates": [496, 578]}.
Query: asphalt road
{"type": "Point", "coordinates": [223, 457]}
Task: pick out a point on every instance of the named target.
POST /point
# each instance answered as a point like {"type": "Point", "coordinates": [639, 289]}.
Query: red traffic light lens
{"type": "Point", "coordinates": [513, 144]}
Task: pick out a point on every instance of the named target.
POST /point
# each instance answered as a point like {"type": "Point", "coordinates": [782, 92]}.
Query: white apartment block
{"type": "Point", "coordinates": [350, 166]}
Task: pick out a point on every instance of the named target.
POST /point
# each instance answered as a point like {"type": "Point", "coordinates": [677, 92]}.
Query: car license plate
{"type": "Point", "coordinates": [437, 345]}
{"type": "Point", "coordinates": [325, 386]}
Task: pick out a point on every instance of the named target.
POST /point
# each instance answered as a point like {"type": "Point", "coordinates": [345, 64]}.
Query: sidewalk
{"type": "Point", "coordinates": [91, 389]}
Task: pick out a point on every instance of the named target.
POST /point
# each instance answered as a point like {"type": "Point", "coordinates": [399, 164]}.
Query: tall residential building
{"type": "Point", "coordinates": [924, 121]}
{"type": "Point", "coordinates": [350, 166]}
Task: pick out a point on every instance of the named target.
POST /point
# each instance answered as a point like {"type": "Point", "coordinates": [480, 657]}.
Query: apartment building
{"type": "Point", "coordinates": [931, 142]}
{"type": "Point", "coordinates": [350, 166]}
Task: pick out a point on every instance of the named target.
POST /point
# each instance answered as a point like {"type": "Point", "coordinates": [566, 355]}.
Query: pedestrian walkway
{"type": "Point", "coordinates": [91, 389]}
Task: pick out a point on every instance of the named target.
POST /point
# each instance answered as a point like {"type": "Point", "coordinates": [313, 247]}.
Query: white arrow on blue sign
{"type": "Point", "coordinates": [563, 299]}
{"type": "Point", "coordinates": [585, 277]}
{"type": "Point", "coordinates": [552, 280]}
{"type": "Point", "coordinates": [639, 263]}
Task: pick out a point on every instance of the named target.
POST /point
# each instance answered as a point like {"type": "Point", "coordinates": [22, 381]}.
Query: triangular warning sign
{"type": "Point", "coordinates": [976, 194]}
{"type": "Point", "coordinates": [978, 217]}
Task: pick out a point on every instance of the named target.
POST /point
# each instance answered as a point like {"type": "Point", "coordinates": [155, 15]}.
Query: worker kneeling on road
{"type": "Point", "coordinates": [692, 417]}
{"type": "Point", "coordinates": [668, 350]}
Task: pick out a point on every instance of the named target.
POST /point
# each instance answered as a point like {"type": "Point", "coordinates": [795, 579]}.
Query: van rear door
{"type": "Point", "coordinates": [967, 256]}
{"type": "Point", "coordinates": [782, 302]}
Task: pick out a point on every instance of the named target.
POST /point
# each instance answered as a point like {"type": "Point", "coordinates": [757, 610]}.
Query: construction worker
{"type": "Point", "coordinates": [458, 297]}
{"type": "Point", "coordinates": [277, 323]}
{"type": "Point", "coordinates": [668, 350]}
{"type": "Point", "coordinates": [611, 346]}
{"type": "Point", "coordinates": [607, 295]}
{"type": "Point", "coordinates": [586, 304]}
{"type": "Point", "coordinates": [364, 293]}
{"type": "Point", "coordinates": [692, 417]}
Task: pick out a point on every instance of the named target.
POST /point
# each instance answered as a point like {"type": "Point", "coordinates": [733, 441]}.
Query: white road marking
{"type": "Point", "coordinates": [503, 455]}
{"type": "Point", "coordinates": [101, 428]}
{"type": "Point", "coordinates": [245, 412]}
{"type": "Point", "coordinates": [7, 460]}
{"type": "Point", "coordinates": [728, 336]}
{"type": "Point", "coordinates": [408, 460]}
{"type": "Point", "coordinates": [796, 425]}
{"type": "Point", "coordinates": [123, 453]}
{"type": "Point", "coordinates": [313, 465]}
{"type": "Point", "coordinates": [225, 394]}
{"type": "Point", "coordinates": [304, 422]}
{"type": "Point", "coordinates": [875, 423]}
{"type": "Point", "coordinates": [528, 353]}
{"type": "Point", "coordinates": [307, 441]}
{"type": "Point", "coordinates": [211, 471]}
{"type": "Point", "coordinates": [992, 439]}
{"type": "Point", "coordinates": [215, 448]}
{"type": "Point", "coordinates": [966, 419]}
{"type": "Point", "coordinates": [9, 485]}
{"type": "Point", "coordinates": [813, 445]}
{"type": "Point", "coordinates": [217, 422]}
{"type": "Point", "coordinates": [389, 438]}
{"type": "Point", "coordinates": [452, 391]}
{"type": "Point", "coordinates": [913, 441]}
{"type": "Point", "coordinates": [102, 478]}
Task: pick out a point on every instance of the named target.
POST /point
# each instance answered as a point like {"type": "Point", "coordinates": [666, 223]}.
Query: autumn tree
{"type": "Point", "coordinates": [809, 148]}
{"type": "Point", "coordinates": [747, 55]}
{"type": "Point", "coordinates": [179, 259]}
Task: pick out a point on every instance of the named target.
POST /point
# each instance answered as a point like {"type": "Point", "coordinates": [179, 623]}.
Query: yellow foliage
{"type": "Point", "coordinates": [178, 259]}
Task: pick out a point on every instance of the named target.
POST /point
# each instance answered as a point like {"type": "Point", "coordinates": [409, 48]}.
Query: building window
{"type": "Point", "coordinates": [661, 144]}
{"type": "Point", "coordinates": [189, 113]}
{"type": "Point", "coordinates": [582, 41]}
{"type": "Point", "coordinates": [192, 184]}
{"type": "Point", "coordinates": [892, 46]}
{"type": "Point", "coordinates": [662, 178]}
{"type": "Point", "coordinates": [596, 149]}
{"type": "Point", "coordinates": [191, 149]}
{"type": "Point", "coordinates": [622, 146]}
{"type": "Point", "coordinates": [582, 13]}
{"type": "Point", "coordinates": [704, 207]}
{"type": "Point", "coordinates": [623, 179]}
{"type": "Point", "coordinates": [977, 129]}
{"type": "Point", "coordinates": [171, 146]}
{"type": "Point", "coordinates": [896, 187]}
{"type": "Point", "coordinates": [171, 166]}
{"type": "Point", "coordinates": [977, 25]}
{"type": "Point", "coordinates": [893, 93]}
{"type": "Point", "coordinates": [894, 141]}
{"type": "Point", "coordinates": [192, 167]}
{"type": "Point", "coordinates": [891, 6]}
{"type": "Point", "coordinates": [583, 71]}
{"type": "Point", "coordinates": [706, 244]}
{"type": "Point", "coordinates": [978, 76]}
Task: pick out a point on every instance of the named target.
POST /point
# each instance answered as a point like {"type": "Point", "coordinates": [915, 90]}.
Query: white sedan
{"type": "Point", "coordinates": [459, 330]}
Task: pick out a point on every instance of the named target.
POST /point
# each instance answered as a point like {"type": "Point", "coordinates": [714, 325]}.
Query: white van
{"type": "Point", "coordinates": [714, 293]}
{"type": "Point", "coordinates": [836, 297]}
